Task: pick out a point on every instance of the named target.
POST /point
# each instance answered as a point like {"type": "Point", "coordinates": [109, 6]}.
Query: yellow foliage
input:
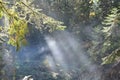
{"type": "Point", "coordinates": [90, 1]}
{"type": "Point", "coordinates": [92, 14]}
{"type": "Point", "coordinates": [17, 32]}
{"type": "Point", "coordinates": [18, 15]}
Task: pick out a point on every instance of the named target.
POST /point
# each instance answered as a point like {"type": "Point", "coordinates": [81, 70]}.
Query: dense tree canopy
{"type": "Point", "coordinates": [95, 22]}
{"type": "Point", "coordinates": [103, 15]}
{"type": "Point", "coordinates": [17, 15]}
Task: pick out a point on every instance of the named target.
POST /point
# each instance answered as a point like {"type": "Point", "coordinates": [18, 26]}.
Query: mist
{"type": "Point", "coordinates": [56, 53]}
{"type": "Point", "coordinates": [61, 52]}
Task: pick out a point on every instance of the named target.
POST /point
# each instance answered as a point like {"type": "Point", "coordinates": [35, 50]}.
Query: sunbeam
{"type": "Point", "coordinates": [68, 52]}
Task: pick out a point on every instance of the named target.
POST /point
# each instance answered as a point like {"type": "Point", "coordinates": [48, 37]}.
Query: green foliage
{"type": "Point", "coordinates": [114, 56]}
{"type": "Point", "coordinates": [2, 36]}
{"type": "Point", "coordinates": [109, 59]}
{"type": "Point", "coordinates": [49, 23]}
{"type": "Point", "coordinates": [17, 32]}
{"type": "Point", "coordinates": [111, 24]}
{"type": "Point", "coordinates": [18, 14]}
{"type": "Point", "coordinates": [95, 8]}
{"type": "Point", "coordinates": [111, 21]}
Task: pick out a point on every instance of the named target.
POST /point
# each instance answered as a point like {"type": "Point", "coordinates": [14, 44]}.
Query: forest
{"type": "Point", "coordinates": [59, 40]}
